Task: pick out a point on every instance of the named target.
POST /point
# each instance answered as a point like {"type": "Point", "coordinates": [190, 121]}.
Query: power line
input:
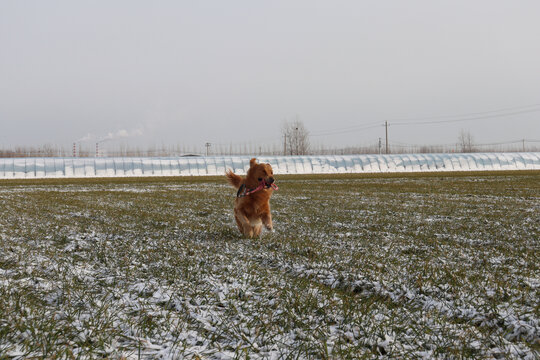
{"type": "Point", "coordinates": [467, 114]}
{"type": "Point", "coordinates": [402, 144]}
{"type": "Point", "coordinates": [466, 119]}
{"type": "Point", "coordinates": [515, 110]}
{"type": "Point", "coordinates": [347, 129]}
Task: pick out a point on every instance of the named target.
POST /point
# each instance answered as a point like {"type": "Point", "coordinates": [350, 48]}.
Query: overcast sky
{"type": "Point", "coordinates": [190, 72]}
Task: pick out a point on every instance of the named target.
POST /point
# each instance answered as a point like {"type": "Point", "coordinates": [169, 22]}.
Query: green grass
{"type": "Point", "coordinates": [359, 266]}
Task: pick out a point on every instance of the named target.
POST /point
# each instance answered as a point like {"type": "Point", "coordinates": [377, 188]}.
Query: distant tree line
{"type": "Point", "coordinates": [275, 150]}
{"type": "Point", "coordinates": [295, 141]}
{"type": "Point", "coordinates": [34, 151]}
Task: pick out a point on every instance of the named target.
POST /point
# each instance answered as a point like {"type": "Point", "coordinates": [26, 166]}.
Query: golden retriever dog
{"type": "Point", "coordinates": [252, 204]}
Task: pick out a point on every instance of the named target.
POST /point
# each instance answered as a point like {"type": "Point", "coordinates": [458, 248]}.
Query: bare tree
{"type": "Point", "coordinates": [466, 141]}
{"type": "Point", "coordinates": [295, 137]}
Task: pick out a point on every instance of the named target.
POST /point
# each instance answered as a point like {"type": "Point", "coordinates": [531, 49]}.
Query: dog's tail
{"type": "Point", "coordinates": [233, 179]}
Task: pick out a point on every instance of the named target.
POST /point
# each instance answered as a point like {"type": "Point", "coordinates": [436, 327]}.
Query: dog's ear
{"type": "Point", "coordinates": [253, 162]}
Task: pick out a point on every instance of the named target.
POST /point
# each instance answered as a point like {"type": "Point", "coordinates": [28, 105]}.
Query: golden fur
{"type": "Point", "coordinates": [253, 211]}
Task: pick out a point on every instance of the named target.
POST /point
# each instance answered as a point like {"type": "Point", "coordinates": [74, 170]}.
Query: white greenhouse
{"type": "Point", "coordinates": [17, 168]}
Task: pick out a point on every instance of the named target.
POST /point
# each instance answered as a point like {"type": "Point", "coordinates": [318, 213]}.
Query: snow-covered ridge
{"type": "Point", "coordinates": [16, 168]}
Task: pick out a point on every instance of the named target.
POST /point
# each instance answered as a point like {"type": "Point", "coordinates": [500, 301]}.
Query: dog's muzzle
{"type": "Point", "coordinates": [266, 182]}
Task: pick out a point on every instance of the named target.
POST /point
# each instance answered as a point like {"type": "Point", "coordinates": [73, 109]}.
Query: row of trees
{"type": "Point", "coordinates": [271, 150]}
{"type": "Point", "coordinates": [295, 139]}
{"type": "Point", "coordinates": [34, 151]}
{"type": "Point", "coordinates": [296, 142]}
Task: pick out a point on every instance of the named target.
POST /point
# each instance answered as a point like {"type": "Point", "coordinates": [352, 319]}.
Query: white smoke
{"type": "Point", "coordinates": [86, 137]}
{"type": "Point", "coordinates": [121, 134]}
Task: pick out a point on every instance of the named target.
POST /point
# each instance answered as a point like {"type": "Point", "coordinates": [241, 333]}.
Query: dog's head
{"type": "Point", "coordinates": [260, 172]}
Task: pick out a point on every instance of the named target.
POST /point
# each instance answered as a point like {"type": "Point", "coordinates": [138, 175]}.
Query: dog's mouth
{"type": "Point", "coordinates": [267, 182]}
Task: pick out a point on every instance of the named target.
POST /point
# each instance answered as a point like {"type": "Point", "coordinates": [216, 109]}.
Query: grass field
{"type": "Point", "coordinates": [440, 265]}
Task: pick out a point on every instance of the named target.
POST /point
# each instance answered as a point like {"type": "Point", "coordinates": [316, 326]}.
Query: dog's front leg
{"type": "Point", "coordinates": [267, 220]}
{"type": "Point", "coordinates": [243, 223]}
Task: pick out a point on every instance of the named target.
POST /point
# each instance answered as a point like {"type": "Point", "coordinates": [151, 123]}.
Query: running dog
{"type": "Point", "coordinates": [252, 204]}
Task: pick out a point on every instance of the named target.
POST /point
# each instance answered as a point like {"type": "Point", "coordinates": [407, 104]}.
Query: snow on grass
{"type": "Point", "coordinates": [431, 267]}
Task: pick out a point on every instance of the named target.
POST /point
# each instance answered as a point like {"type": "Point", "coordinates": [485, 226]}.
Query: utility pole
{"type": "Point", "coordinates": [386, 126]}
{"type": "Point", "coordinates": [207, 147]}
{"type": "Point", "coordinates": [296, 141]}
{"type": "Point", "coordinates": [380, 146]}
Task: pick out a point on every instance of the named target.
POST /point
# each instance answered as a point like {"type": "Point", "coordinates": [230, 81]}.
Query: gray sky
{"type": "Point", "coordinates": [188, 72]}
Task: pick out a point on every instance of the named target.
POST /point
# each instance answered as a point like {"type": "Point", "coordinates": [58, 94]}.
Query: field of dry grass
{"type": "Point", "coordinates": [435, 265]}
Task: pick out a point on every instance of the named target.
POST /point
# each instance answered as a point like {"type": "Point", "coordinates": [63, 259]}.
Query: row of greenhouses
{"type": "Point", "coordinates": [15, 168]}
